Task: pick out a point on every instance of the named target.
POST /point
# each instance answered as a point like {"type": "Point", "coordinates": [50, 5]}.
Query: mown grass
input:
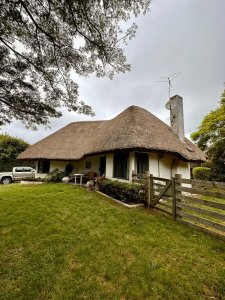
{"type": "Point", "coordinates": [62, 242]}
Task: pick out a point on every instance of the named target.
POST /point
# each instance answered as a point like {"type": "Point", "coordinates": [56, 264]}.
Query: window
{"type": "Point", "coordinates": [19, 169]}
{"type": "Point", "coordinates": [43, 166]}
{"type": "Point", "coordinates": [87, 164]}
{"type": "Point", "coordinates": [102, 165]}
{"type": "Point", "coordinates": [27, 169]}
{"type": "Point", "coordinates": [120, 166]}
{"type": "Point", "coordinates": [142, 161]}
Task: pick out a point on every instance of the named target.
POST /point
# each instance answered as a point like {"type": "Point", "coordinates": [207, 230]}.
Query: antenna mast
{"type": "Point", "coordinates": [168, 80]}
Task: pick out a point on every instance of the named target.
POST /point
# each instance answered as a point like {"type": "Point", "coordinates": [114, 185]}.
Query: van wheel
{"type": "Point", "coordinates": [6, 180]}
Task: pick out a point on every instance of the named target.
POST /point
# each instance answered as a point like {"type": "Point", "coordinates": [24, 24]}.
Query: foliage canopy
{"type": "Point", "coordinates": [212, 127]}
{"type": "Point", "coordinates": [210, 137]}
{"type": "Point", "coordinates": [11, 147]}
{"type": "Point", "coordinates": [42, 41]}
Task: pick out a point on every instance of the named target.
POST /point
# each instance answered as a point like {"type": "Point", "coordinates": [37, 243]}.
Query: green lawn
{"type": "Point", "coordinates": [62, 242]}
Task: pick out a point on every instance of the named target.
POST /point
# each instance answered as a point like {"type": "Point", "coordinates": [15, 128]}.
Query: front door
{"type": "Point", "coordinates": [102, 165]}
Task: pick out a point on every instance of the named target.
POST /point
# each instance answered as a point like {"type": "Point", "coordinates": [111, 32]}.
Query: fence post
{"type": "Point", "coordinates": [174, 192]}
{"type": "Point", "coordinates": [151, 190]}
{"type": "Point", "coordinates": [174, 197]}
{"type": "Point", "coordinates": [147, 174]}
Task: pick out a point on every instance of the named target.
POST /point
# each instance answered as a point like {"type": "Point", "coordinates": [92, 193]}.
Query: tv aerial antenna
{"type": "Point", "coordinates": [169, 79]}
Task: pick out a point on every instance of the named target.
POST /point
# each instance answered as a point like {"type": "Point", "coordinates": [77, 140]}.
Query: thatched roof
{"type": "Point", "coordinates": [135, 129]}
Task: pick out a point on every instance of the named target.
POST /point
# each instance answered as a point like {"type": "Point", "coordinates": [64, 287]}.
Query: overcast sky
{"type": "Point", "coordinates": [186, 36]}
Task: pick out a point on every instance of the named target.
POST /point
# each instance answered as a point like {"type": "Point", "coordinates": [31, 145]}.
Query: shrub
{"type": "Point", "coordinates": [201, 173]}
{"type": "Point", "coordinates": [125, 192]}
{"type": "Point", "coordinates": [90, 176]}
{"type": "Point", "coordinates": [54, 176]}
{"type": "Point", "coordinates": [217, 172]}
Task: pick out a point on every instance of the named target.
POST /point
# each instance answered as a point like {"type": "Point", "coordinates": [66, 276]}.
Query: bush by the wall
{"type": "Point", "coordinates": [201, 173]}
{"type": "Point", "coordinates": [54, 176]}
{"type": "Point", "coordinates": [125, 192]}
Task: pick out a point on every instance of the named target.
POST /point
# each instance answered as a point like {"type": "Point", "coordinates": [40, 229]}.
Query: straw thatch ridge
{"type": "Point", "coordinates": [134, 128]}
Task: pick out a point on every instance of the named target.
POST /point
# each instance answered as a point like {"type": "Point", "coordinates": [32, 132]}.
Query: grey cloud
{"type": "Point", "coordinates": [185, 36]}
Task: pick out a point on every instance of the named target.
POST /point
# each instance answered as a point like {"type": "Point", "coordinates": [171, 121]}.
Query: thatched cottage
{"type": "Point", "coordinates": [135, 140]}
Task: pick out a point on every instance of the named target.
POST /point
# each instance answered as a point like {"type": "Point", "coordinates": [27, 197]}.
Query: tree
{"type": "Point", "coordinates": [11, 147]}
{"type": "Point", "coordinates": [212, 127]}
{"type": "Point", "coordinates": [217, 157]}
{"type": "Point", "coordinates": [210, 137]}
{"type": "Point", "coordinates": [42, 41]}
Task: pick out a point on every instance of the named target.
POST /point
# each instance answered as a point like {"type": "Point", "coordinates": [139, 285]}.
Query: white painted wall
{"type": "Point", "coordinates": [132, 164]}
{"type": "Point", "coordinates": [153, 164]}
{"type": "Point", "coordinates": [167, 165]}
{"type": "Point", "coordinates": [109, 166]}
{"type": "Point", "coordinates": [159, 165]}
{"type": "Point", "coordinates": [57, 164]}
{"type": "Point", "coordinates": [94, 164]}
{"type": "Point", "coordinates": [184, 169]}
{"type": "Point", "coordinates": [40, 175]}
{"type": "Point", "coordinates": [80, 166]}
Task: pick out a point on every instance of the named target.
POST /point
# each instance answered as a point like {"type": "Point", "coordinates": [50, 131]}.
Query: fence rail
{"type": "Point", "coordinates": [197, 203]}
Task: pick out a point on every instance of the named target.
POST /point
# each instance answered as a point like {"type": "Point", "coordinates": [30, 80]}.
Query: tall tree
{"type": "Point", "coordinates": [212, 127]}
{"type": "Point", "coordinates": [210, 137]}
{"type": "Point", "coordinates": [42, 41]}
{"type": "Point", "coordinates": [11, 147]}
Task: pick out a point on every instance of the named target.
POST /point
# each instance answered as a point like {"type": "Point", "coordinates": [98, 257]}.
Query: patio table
{"type": "Point", "coordinates": [80, 176]}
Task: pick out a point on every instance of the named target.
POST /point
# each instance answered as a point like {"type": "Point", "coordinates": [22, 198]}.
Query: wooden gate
{"type": "Point", "coordinates": [197, 203]}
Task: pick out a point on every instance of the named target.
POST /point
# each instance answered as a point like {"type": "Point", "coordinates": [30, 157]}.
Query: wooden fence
{"type": "Point", "coordinates": [197, 203]}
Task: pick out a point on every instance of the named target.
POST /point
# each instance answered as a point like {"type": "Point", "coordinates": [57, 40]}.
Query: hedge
{"type": "Point", "coordinates": [55, 176]}
{"type": "Point", "coordinates": [125, 192]}
{"type": "Point", "coordinates": [7, 164]}
{"type": "Point", "coordinates": [201, 173]}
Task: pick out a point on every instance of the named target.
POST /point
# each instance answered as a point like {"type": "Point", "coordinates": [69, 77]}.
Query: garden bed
{"type": "Point", "coordinates": [128, 194]}
{"type": "Point", "coordinates": [130, 205]}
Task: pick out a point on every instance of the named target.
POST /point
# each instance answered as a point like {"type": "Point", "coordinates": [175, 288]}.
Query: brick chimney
{"type": "Point", "coordinates": [175, 105]}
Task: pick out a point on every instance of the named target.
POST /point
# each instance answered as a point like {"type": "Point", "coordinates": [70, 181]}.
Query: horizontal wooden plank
{"type": "Point", "coordinates": [141, 181]}
{"type": "Point", "coordinates": [201, 192]}
{"type": "Point", "coordinates": [201, 210]}
{"type": "Point", "coordinates": [204, 183]}
{"type": "Point", "coordinates": [201, 220]}
{"type": "Point", "coordinates": [167, 197]}
{"type": "Point", "coordinates": [158, 189]}
{"type": "Point", "coordinates": [161, 179]}
{"type": "Point", "coordinates": [202, 229]}
{"type": "Point", "coordinates": [163, 210]}
{"type": "Point", "coordinates": [201, 201]}
{"type": "Point", "coordinates": [165, 204]}
{"type": "Point", "coordinates": [158, 184]}
{"type": "Point", "coordinates": [164, 197]}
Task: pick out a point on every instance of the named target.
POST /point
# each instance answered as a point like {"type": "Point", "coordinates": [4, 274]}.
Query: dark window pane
{"type": "Point", "coordinates": [142, 160]}
{"type": "Point", "coordinates": [120, 166]}
{"type": "Point", "coordinates": [19, 170]}
{"type": "Point", "coordinates": [102, 165]}
{"type": "Point", "coordinates": [43, 166]}
{"type": "Point", "coordinates": [87, 164]}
